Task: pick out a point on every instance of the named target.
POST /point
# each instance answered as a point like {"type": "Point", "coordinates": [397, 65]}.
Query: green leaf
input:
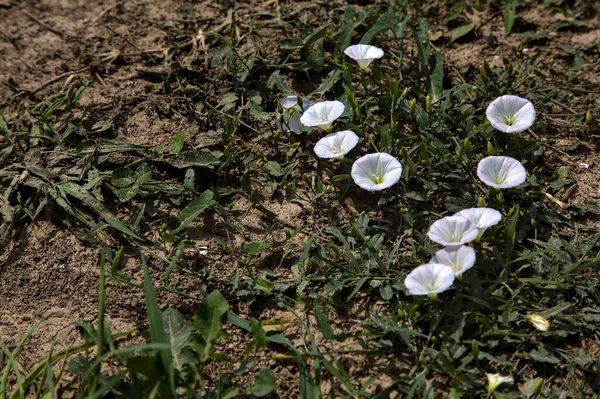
{"type": "Point", "coordinates": [90, 201]}
{"type": "Point", "coordinates": [123, 177]}
{"type": "Point", "coordinates": [255, 247]}
{"type": "Point", "coordinates": [265, 383]}
{"type": "Point", "coordinates": [331, 79]}
{"type": "Point", "coordinates": [177, 143]}
{"type": "Point", "coordinates": [274, 338]}
{"type": "Point", "coordinates": [510, 13]}
{"type": "Point", "coordinates": [323, 324]}
{"type": "Point", "coordinates": [192, 211]}
{"type": "Point", "coordinates": [188, 159]}
{"type": "Point", "coordinates": [383, 24]}
{"type": "Point", "coordinates": [461, 30]}
{"type": "Point", "coordinates": [207, 322]}
{"type": "Point", "coordinates": [543, 356]}
{"type": "Point", "coordinates": [178, 334]}
{"type": "Point", "coordinates": [558, 309]}
{"type": "Point", "coordinates": [156, 327]}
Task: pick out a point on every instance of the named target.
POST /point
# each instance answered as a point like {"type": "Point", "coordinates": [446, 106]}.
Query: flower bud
{"type": "Point", "coordinates": [589, 118]}
{"type": "Point", "coordinates": [405, 92]}
{"type": "Point", "coordinates": [483, 73]}
{"type": "Point", "coordinates": [538, 387]}
{"type": "Point", "coordinates": [474, 349]}
{"type": "Point", "coordinates": [467, 146]}
{"type": "Point", "coordinates": [490, 149]}
{"type": "Point", "coordinates": [538, 321]}
{"type": "Point", "coordinates": [413, 106]}
{"type": "Point", "coordinates": [428, 105]}
{"type": "Point", "coordinates": [481, 202]}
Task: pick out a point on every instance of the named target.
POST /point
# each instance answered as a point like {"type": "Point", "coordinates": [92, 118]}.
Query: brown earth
{"type": "Point", "coordinates": [47, 272]}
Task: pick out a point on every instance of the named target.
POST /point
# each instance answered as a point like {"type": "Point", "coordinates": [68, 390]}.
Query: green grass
{"type": "Point", "coordinates": [356, 248]}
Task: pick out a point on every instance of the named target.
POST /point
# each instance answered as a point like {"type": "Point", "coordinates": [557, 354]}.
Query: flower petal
{"type": "Point", "coordinates": [453, 231]}
{"type": "Point", "coordinates": [429, 279]}
{"type": "Point", "coordinates": [323, 113]}
{"type": "Point", "coordinates": [374, 172]}
{"type": "Point", "coordinates": [460, 259]}
{"type": "Point", "coordinates": [363, 54]}
{"type": "Point", "coordinates": [501, 172]}
{"type": "Point", "coordinates": [336, 144]}
{"type": "Point", "coordinates": [289, 118]}
{"type": "Point", "coordinates": [483, 218]}
{"type": "Point", "coordinates": [511, 114]}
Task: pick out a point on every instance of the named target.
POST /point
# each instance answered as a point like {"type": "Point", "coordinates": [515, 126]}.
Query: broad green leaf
{"type": "Point", "coordinates": [90, 201]}
{"type": "Point", "coordinates": [177, 143]}
{"type": "Point", "coordinates": [123, 177]}
{"type": "Point", "coordinates": [192, 211]}
{"type": "Point", "coordinates": [510, 13]}
{"type": "Point", "coordinates": [178, 334]}
{"type": "Point", "coordinates": [461, 30]}
{"type": "Point", "coordinates": [558, 309]}
{"type": "Point", "coordinates": [383, 24]}
{"type": "Point", "coordinates": [273, 338]}
{"type": "Point", "coordinates": [207, 323]}
{"type": "Point", "coordinates": [323, 324]}
{"type": "Point", "coordinates": [331, 79]}
{"type": "Point", "coordinates": [157, 328]}
{"type": "Point", "coordinates": [106, 147]}
{"type": "Point", "coordinates": [265, 383]}
{"type": "Point", "coordinates": [188, 159]}
{"type": "Point", "coordinates": [255, 247]}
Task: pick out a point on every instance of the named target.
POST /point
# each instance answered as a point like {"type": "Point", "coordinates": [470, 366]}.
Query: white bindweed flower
{"type": "Point", "coordinates": [538, 321]}
{"type": "Point", "coordinates": [336, 145]}
{"type": "Point", "coordinates": [453, 231]}
{"type": "Point", "coordinates": [460, 259]}
{"type": "Point", "coordinates": [363, 54]}
{"type": "Point", "coordinates": [483, 218]}
{"type": "Point", "coordinates": [501, 172]}
{"type": "Point", "coordinates": [494, 381]}
{"type": "Point", "coordinates": [511, 114]}
{"type": "Point", "coordinates": [429, 279]}
{"type": "Point", "coordinates": [374, 172]}
{"type": "Point", "coordinates": [288, 120]}
{"type": "Point", "coordinates": [322, 114]}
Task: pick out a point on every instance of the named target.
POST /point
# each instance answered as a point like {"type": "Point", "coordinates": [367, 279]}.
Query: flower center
{"type": "Point", "coordinates": [508, 121]}
{"type": "Point", "coordinates": [377, 179]}
{"type": "Point", "coordinates": [336, 149]}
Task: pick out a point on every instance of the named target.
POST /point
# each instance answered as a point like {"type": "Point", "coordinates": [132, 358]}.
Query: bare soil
{"type": "Point", "coordinates": [47, 273]}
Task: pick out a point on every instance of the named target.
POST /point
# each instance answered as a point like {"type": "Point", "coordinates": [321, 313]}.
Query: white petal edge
{"type": "Point", "coordinates": [379, 165]}
{"type": "Point", "coordinates": [460, 259]}
{"type": "Point", "coordinates": [336, 145]}
{"type": "Point", "coordinates": [501, 172]}
{"type": "Point", "coordinates": [453, 231]}
{"type": "Point", "coordinates": [429, 279]}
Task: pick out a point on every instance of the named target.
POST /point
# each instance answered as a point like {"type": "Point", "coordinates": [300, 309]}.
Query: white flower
{"type": "Point", "coordinates": [538, 321]}
{"type": "Point", "coordinates": [460, 259]}
{"type": "Point", "coordinates": [322, 114]}
{"type": "Point", "coordinates": [363, 54]}
{"type": "Point", "coordinates": [375, 172]}
{"type": "Point", "coordinates": [336, 145]}
{"type": "Point", "coordinates": [453, 231]}
{"type": "Point", "coordinates": [501, 172]}
{"type": "Point", "coordinates": [429, 279]}
{"type": "Point", "coordinates": [511, 114]}
{"type": "Point", "coordinates": [483, 218]}
{"type": "Point", "coordinates": [494, 381]}
{"type": "Point", "coordinates": [289, 118]}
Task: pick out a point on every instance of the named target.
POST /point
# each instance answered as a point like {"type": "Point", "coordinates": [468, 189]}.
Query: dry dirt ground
{"type": "Point", "coordinates": [47, 272]}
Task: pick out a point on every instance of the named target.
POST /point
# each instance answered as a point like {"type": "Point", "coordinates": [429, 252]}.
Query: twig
{"type": "Point", "coordinates": [102, 14]}
{"type": "Point", "coordinates": [56, 78]}
{"type": "Point", "coordinates": [44, 25]}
